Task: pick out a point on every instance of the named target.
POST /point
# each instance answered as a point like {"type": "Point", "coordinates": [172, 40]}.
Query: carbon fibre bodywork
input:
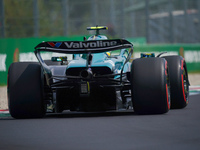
{"type": "Point", "coordinates": [91, 70]}
{"type": "Point", "coordinates": [115, 65]}
{"type": "Point", "coordinates": [99, 76]}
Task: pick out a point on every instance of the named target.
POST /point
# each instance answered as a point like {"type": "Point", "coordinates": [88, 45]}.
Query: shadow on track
{"type": "Point", "coordinates": [68, 114]}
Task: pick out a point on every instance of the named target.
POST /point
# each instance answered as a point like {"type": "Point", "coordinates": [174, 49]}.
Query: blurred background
{"type": "Point", "coordinates": [151, 25]}
{"type": "Point", "coordinates": [151, 21]}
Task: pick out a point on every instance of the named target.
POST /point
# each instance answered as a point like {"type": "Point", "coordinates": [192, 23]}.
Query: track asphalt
{"type": "Point", "coordinates": [193, 91]}
{"type": "Point", "coordinates": [177, 129]}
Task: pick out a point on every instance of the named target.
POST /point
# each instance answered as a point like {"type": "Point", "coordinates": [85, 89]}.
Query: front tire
{"type": "Point", "coordinates": [25, 90]}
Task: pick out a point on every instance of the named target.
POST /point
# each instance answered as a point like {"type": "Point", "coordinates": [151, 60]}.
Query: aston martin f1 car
{"type": "Point", "coordinates": [99, 76]}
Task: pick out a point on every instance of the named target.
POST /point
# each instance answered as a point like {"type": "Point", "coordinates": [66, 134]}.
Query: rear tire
{"type": "Point", "coordinates": [149, 86]}
{"type": "Point", "coordinates": [179, 84]}
{"type": "Point", "coordinates": [25, 90]}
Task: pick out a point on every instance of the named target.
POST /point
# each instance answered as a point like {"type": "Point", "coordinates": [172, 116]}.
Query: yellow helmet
{"type": "Point", "coordinates": [108, 53]}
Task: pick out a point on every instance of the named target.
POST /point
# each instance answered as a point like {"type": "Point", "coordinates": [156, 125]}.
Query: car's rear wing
{"type": "Point", "coordinates": [81, 47]}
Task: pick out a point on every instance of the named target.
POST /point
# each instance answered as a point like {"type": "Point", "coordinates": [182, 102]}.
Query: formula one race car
{"type": "Point", "coordinates": [99, 77]}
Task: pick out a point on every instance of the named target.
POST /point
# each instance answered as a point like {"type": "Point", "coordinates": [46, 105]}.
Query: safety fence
{"type": "Point", "coordinates": [14, 50]}
{"type": "Point", "coordinates": [159, 21]}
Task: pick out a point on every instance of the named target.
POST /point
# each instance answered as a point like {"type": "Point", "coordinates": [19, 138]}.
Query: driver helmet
{"type": "Point", "coordinates": [97, 37]}
{"type": "Point", "coordinates": [108, 54]}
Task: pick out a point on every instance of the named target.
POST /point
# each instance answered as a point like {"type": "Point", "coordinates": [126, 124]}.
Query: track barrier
{"type": "Point", "coordinates": [14, 50]}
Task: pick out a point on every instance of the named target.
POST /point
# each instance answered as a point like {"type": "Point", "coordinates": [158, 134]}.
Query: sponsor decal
{"type": "Point", "coordinates": [192, 56]}
{"type": "Point", "coordinates": [27, 57]}
{"type": "Point", "coordinates": [90, 44]}
{"type": "Point", "coordinates": [56, 45]}
{"type": "Point", "coordinates": [3, 62]}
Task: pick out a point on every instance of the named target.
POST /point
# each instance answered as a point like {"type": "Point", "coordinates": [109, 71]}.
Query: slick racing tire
{"type": "Point", "coordinates": [25, 90]}
{"type": "Point", "coordinates": [179, 84]}
{"type": "Point", "coordinates": [150, 86]}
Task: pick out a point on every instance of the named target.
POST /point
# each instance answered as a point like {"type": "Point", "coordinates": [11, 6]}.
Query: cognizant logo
{"type": "Point", "coordinates": [90, 44]}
